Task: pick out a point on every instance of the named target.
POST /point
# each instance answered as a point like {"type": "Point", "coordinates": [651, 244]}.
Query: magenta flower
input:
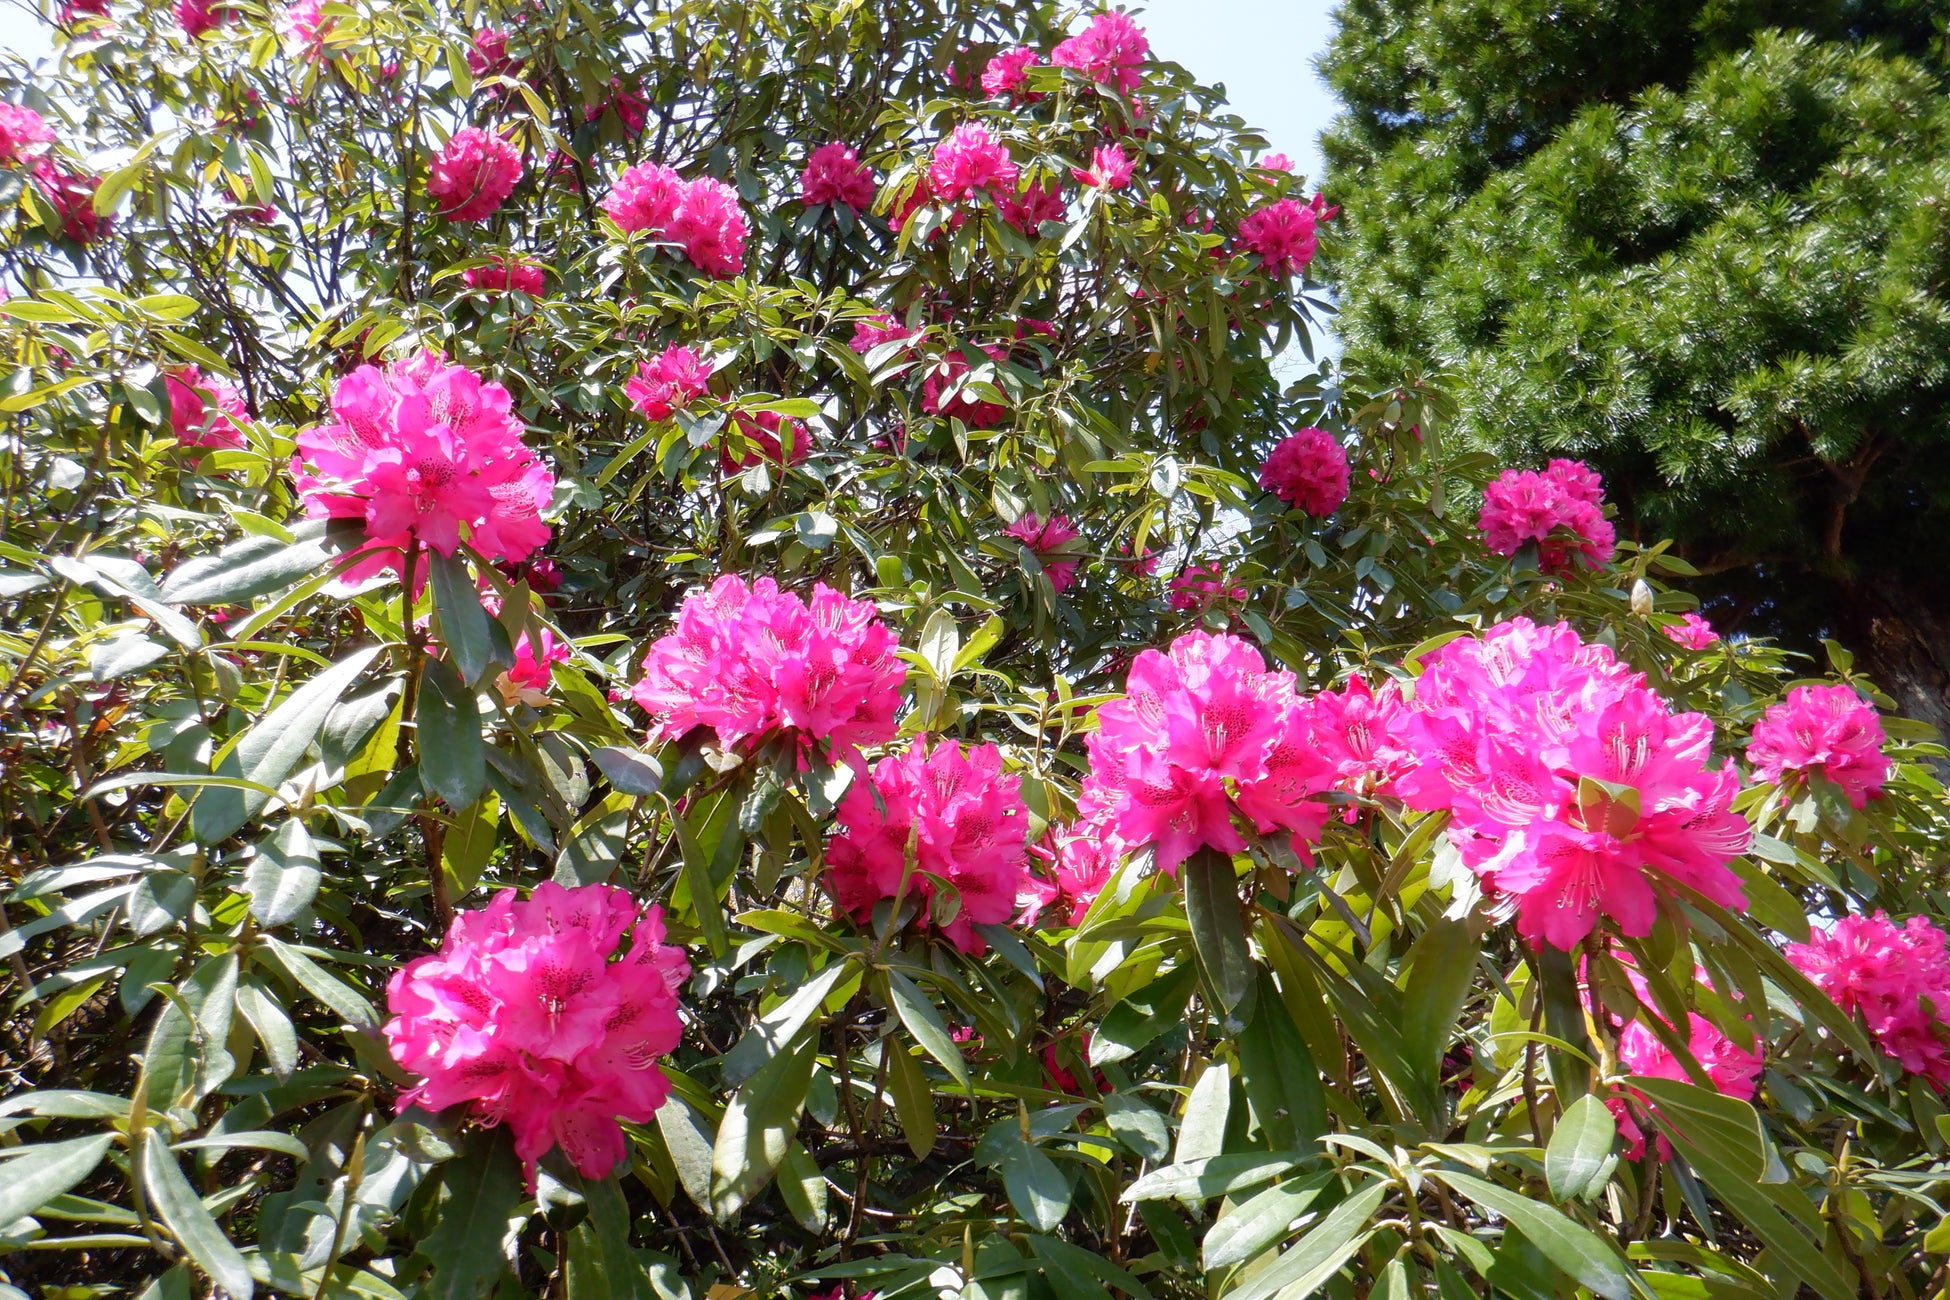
{"type": "Point", "coordinates": [72, 196]}
{"type": "Point", "coordinates": [473, 172]}
{"type": "Point", "coordinates": [835, 174]}
{"type": "Point", "coordinates": [646, 197]}
{"type": "Point", "coordinates": [1004, 74]}
{"type": "Point", "coordinates": [204, 411]}
{"type": "Point", "coordinates": [1526, 506]}
{"type": "Point", "coordinates": [632, 108]}
{"type": "Point", "coordinates": [1733, 1069]}
{"type": "Point", "coordinates": [72, 11]}
{"type": "Point", "coordinates": [196, 17]}
{"type": "Point", "coordinates": [304, 25]}
{"type": "Point", "coordinates": [1201, 587]}
{"type": "Point", "coordinates": [524, 1018]}
{"type": "Point", "coordinates": [973, 411]}
{"type": "Point", "coordinates": [1895, 978]}
{"type": "Point", "coordinates": [1282, 234]}
{"type": "Point", "coordinates": [1308, 471]}
{"type": "Point", "coordinates": [1357, 731]}
{"type": "Point", "coordinates": [967, 826]}
{"type": "Point", "coordinates": [527, 682]}
{"type": "Point", "coordinates": [753, 663]}
{"type": "Point", "coordinates": [1046, 542]}
{"type": "Point", "coordinates": [970, 162]}
{"type": "Point", "coordinates": [1110, 168]}
{"type": "Point", "coordinates": [1080, 858]}
{"type": "Point", "coordinates": [1692, 633]}
{"type": "Point", "coordinates": [518, 274]}
{"type": "Point", "coordinates": [869, 332]}
{"type": "Point", "coordinates": [765, 434]}
{"type": "Point", "coordinates": [668, 382]}
{"type": "Point", "coordinates": [488, 55]}
{"type": "Point", "coordinates": [24, 135]}
{"type": "Point", "coordinates": [701, 216]}
{"type": "Point", "coordinates": [1825, 729]}
{"type": "Point", "coordinates": [1275, 162]}
{"type": "Point", "coordinates": [1028, 210]}
{"type": "Point", "coordinates": [1110, 50]}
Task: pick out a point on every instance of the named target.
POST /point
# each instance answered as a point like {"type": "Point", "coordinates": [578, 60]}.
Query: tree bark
{"type": "Point", "coordinates": [1899, 628]}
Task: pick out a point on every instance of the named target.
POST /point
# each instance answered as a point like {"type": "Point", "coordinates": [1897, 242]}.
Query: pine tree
{"type": "Point", "coordinates": [1705, 245]}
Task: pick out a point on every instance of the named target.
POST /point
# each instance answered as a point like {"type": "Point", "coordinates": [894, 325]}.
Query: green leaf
{"type": "Point", "coordinates": [1138, 1125]}
{"type": "Point", "coordinates": [1579, 1160]}
{"type": "Point", "coordinates": [1579, 1252]}
{"type": "Point", "coordinates": [1218, 926]}
{"type": "Point", "coordinates": [925, 1023]}
{"type": "Point", "coordinates": [161, 898]}
{"type": "Point", "coordinates": [283, 877]}
{"type": "Point", "coordinates": [271, 1025]}
{"type": "Point", "coordinates": [913, 1100]}
{"type": "Point", "coordinates": [350, 1005]}
{"type": "Point", "coordinates": [1319, 1254]}
{"type": "Point", "coordinates": [1212, 1176]}
{"type": "Point", "coordinates": [629, 770]}
{"type": "Point", "coordinates": [1202, 1131]}
{"type": "Point", "coordinates": [32, 1176]}
{"type": "Point", "coordinates": [465, 628]}
{"type": "Point", "coordinates": [758, 1126]}
{"type": "Point", "coordinates": [453, 761]}
{"type": "Point", "coordinates": [780, 1027]}
{"type": "Point", "coordinates": [1279, 1075]}
{"type": "Point", "coordinates": [1036, 1187]}
{"type": "Point", "coordinates": [482, 1189]}
{"type": "Point", "coordinates": [610, 1269]}
{"type": "Point", "coordinates": [690, 1141]}
{"type": "Point", "coordinates": [1442, 965]}
{"type": "Point", "coordinates": [803, 1187]}
{"type": "Point", "coordinates": [248, 568]}
{"type": "Point", "coordinates": [1261, 1220]}
{"type": "Point", "coordinates": [272, 749]}
{"type": "Point", "coordinates": [187, 1054]}
{"type": "Point", "coordinates": [940, 643]}
{"type": "Point", "coordinates": [193, 1226]}
{"type": "Point", "coordinates": [470, 842]}
{"type": "Point", "coordinates": [1143, 1015]}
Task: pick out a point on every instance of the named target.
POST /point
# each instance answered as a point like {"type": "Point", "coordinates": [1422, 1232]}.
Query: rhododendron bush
{"type": "Point", "coordinates": [731, 650]}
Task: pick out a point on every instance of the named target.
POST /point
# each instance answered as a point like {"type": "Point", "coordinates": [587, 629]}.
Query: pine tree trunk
{"type": "Point", "coordinates": [1899, 629]}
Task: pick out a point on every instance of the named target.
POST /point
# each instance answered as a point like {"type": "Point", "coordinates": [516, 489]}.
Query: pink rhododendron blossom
{"type": "Point", "coordinates": [488, 55]}
{"type": "Point", "coordinates": [871, 331]}
{"type": "Point", "coordinates": [24, 135]}
{"type": "Point", "coordinates": [1004, 74]}
{"type": "Point", "coordinates": [646, 197]}
{"type": "Point", "coordinates": [204, 411]}
{"type": "Point", "coordinates": [700, 216]}
{"type": "Point", "coordinates": [973, 411]}
{"type": "Point", "coordinates": [970, 162]}
{"type": "Point", "coordinates": [473, 172]}
{"type": "Point", "coordinates": [506, 273]}
{"type": "Point", "coordinates": [1895, 977]}
{"type": "Point", "coordinates": [72, 196]}
{"type": "Point", "coordinates": [966, 822]}
{"type": "Point", "coordinates": [1110, 168]}
{"type": "Point", "coordinates": [1527, 506]}
{"type": "Point", "coordinates": [1826, 729]}
{"type": "Point", "coordinates": [304, 25]}
{"type": "Point", "coordinates": [1572, 787]}
{"type": "Point", "coordinates": [425, 451]}
{"type": "Point", "coordinates": [835, 174]}
{"type": "Point", "coordinates": [1080, 858]}
{"type": "Point", "coordinates": [196, 17]}
{"type": "Point", "coordinates": [1046, 542]}
{"type": "Point", "coordinates": [1202, 586]}
{"type": "Point", "coordinates": [668, 382]}
{"type": "Point", "coordinates": [74, 11]}
{"type": "Point", "coordinates": [1275, 162]}
{"type": "Point", "coordinates": [1027, 211]}
{"type": "Point", "coordinates": [766, 434]}
{"type": "Point", "coordinates": [1110, 50]}
{"type": "Point", "coordinates": [1308, 470]}
{"type": "Point", "coordinates": [1692, 633]}
{"type": "Point", "coordinates": [1282, 233]}
{"type": "Point", "coordinates": [524, 1018]}
{"type": "Point", "coordinates": [1205, 733]}
{"type": "Point", "coordinates": [1357, 731]}
{"type": "Point", "coordinates": [753, 662]}
{"type": "Point", "coordinates": [527, 682]}
{"type": "Point", "coordinates": [632, 108]}
{"type": "Point", "coordinates": [1734, 1070]}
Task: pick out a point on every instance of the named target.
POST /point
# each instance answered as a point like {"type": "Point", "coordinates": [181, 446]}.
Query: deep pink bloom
{"type": "Point", "coordinates": [1275, 162]}
{"type": "Point", "coordinates": [1734, 1070]}
{"type": "Point", "coordinates": [751, 662]}
{"type": "Point", "coordinates": [506, 273]}
{"type": "Point", "coordinates": [1693, 633]}
{"type": "Point", "coordinates": [196, 17]}
{"type": "Point", "coordinates": [1825, 729]}
{"type": "Point", "coordinates": [1571, 785]}
{"type": "Point", "coordinates": [473, 172]}
{"type": "Point", "coordinates": [24, 135]}
{"type": "Point", "coordinates": [1205, 732]}
{"type": "Point", "coordinates": [429, 451]}
{"type": "Point", "coordinates": [668, 382]}
{"type": "Point", "coordinates": [1282, 233]}
{"type": "Point", "coordinates": [523, 1018]}
{"type": "Point", "coordinates": [1110, 167]}
{"type": "Point", "coordinates": [73, 11]}
{"type": "Point", "coordinates": [869, 332]}
{"type": "Point", "coordinates": [973, 411]}
{"type": "Point", "coordinates": [1896, 978]}
{"type": "Point", "coordinates": [72, 196]}
{"type": "Point", "coordinates": [204, 411]}
{"type": "Point", "coordinates": [1202, 586]}
{"type": "Point", "coordinates": [304, 24]}
{"type": "Point", "coordinates": [970, 162]}
{"type": "Point", "coordinates": [632, 108]}
{"type": "Point", "coordinates": [968, 828]}
{"type": "Point", "coordinates": [1110, 50]}
{"type": "Point", "coordinates": [488, 55]}
{"type": "Point", "coordinates": [766, 432]}
{"type": "Point", "coordinates": [1046, 541]}
{"type": "Point", "coordinates": [1526, 506]}
{"type": "Point", "coordinates": [1080, 858]}
{"type": "Point", "coordinates": [1028, 210]}
{"type": "Point", "coordinates": [1308, 470]}
{"type": "Point", "coordinates": [646, 197]}
{"type": "Point", "coordinates": [711, 227]}
{"type": "Point", "coordinates": [1357, 731]}
{"type": "Point", "coordinates": [533, 670]}
{"type": "Point", "coordinates": [835, 174]}
{"type": "Point", "coordinates": [1004, 74]}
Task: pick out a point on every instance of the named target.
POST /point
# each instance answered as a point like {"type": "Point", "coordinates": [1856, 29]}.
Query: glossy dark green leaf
{"type": "Point", "coordinates": [479, 1191]}
{"type": "Point", "coordinates": [1218, 926]}
{"type": "Point", "coordinates": [1261, 1220]}
{"type": "Point", "coordinates": [249, 567]}
{"type": "Point", "coordinates": [1579, 1160]}
{"type": "Point", "coordinates": [1143, 1015]}
{"type": "Point", "coordinates": [758, 1126]}
{"type": "Point", "coordinates": [453, 761]}
{"type": "Point", "coordinates": [629, 770]}
{"type": "Point", "coordinates": [473, 641]}
{"type": "Point", "coordinates": [283, 876]}
{"type": "Point", "coordinates": [1320, 1253]}
{"type": "Point", "coordinates": [780, 1027]}
{"type": "Point", "coordinates": [1036, 1187]}
{"type": "Point", "coordinates": [181, 1209]}
{"type": "Point", "coordinates": [1586, 1257]}
{"type": "Point", "coordinates": [1279, 1075]}
{"type": "Point", "coordinates": [923, 1021]}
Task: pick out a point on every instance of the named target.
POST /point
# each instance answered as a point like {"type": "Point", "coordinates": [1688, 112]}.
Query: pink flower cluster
{"type": "Point", "coordinates": [24, 135]}
{"type": "Point", "coordinates": [488, 55]}
{"type": "Point", "coordinates": [304, 24]}
{"type": "Point", "coordinates": [1828, 730]}
{"type": "Point", "coordinates": [1201, 587]}
{"type": "Point", "coordinates": [1733, 1069]}
{"type": "Point", "coordinates": [1283, 233]}
{"type": "Point", "coordinates": [425, 451]}
{"type": "Point", "coordinates": [1358, 732]}
{"type": "Point", "coordinates": [72, 196]}
{"type": "Point", "coordinates": [527, 682]}
{"type": "Point", "coordinates": [1037, 202]}
{"type": "Point", "coordinates": [1205, 731]}
{"type": "Point", "coordinates": [766, 433]}
{"type": "Point", "coordinates": [1004, 74]}
{"type": "Point", "coordinates": [523, 1017]}
{"type": "Point", "coordinates": [1528, 506]}
{"type": "Point", "coordinates": [973, 411]}
{"type": "Point", "coordinates": [204, 411]}
{"type": "Point", "coordinates": [1572, 788]}
{"type": "Point", "coordinates": [1693, 633]}
{"type": "Point", "coordinates": [473, 172]}
{"type": "Point", "coordinates": [968, 827]}
{"type": "Point", "coordinates": [1110, 50]}
{"type": "Point", "coordinates": [1308, 470]}
{"type": "Point", "coordinates": [196, 17]}
{"type": "Point", "coordinates": [1080, 858]}
{"type": "Point", "coordinates": [969, 162]}
{"type": "Point", "coordinates": [505, 273]}
{"type": "Point", "coordinates": [668, 382]}
{"type": "Point", "coordinates": [1046, 542]}
{"type": "Point", "coordinates": [754, 662]}
{"type": "Point", "coordinates": [1896, 978]}
{"type": "Point", "coordinates": [1110, 168]}
{"type": "Point", "coordinates": [700, 216]}
{"type": "Point", "coordinates": [871, 331]}
{"type": "Point", "coordinates": [835, 174]}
